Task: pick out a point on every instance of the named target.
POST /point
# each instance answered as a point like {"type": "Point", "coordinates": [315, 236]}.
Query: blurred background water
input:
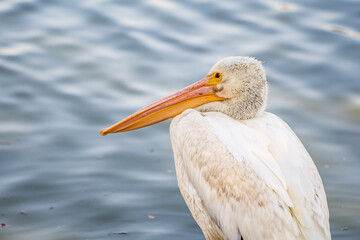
{"type": "Point", "coordinates": [70, 68]}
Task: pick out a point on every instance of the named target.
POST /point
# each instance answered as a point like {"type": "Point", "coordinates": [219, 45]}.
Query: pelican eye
{"type": "Point", "coordinates": [215, 78]}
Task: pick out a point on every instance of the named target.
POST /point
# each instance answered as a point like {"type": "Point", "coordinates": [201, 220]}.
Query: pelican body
{"type": "Point", "coordinates": [242, 172]}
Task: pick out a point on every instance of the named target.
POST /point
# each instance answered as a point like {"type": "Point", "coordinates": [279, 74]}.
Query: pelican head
{"type": "Point", "coordinates": [243, 85]}
{"type": "Point", "coordinates": [235, 86]}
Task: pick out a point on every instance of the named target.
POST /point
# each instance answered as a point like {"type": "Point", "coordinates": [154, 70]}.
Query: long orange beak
{"type": "Point", "coordinates": [190, 97]}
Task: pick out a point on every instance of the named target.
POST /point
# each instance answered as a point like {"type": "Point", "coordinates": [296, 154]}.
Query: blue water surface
{"type": "Point", "coordinates": [69, 68]}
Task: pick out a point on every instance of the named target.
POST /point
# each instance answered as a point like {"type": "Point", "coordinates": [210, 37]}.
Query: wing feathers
{"type": "Point", "coordinates": [253, 176]}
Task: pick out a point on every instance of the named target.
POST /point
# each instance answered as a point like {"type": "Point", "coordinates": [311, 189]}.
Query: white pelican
{"type": "Point", "coordinates": [242, 171]}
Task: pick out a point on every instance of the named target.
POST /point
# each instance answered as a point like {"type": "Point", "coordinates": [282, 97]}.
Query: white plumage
{"type": "Point", "coordinates": [242, 172]}
{"type": "Point", "coordinates": [251, 177]}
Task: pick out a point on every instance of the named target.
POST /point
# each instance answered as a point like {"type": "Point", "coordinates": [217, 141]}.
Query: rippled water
{"type": "Point", "coordinates": [70, 68]}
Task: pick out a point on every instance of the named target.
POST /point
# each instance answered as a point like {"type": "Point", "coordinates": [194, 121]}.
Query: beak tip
{"type": "Point", "coordinates": [103, 132]}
